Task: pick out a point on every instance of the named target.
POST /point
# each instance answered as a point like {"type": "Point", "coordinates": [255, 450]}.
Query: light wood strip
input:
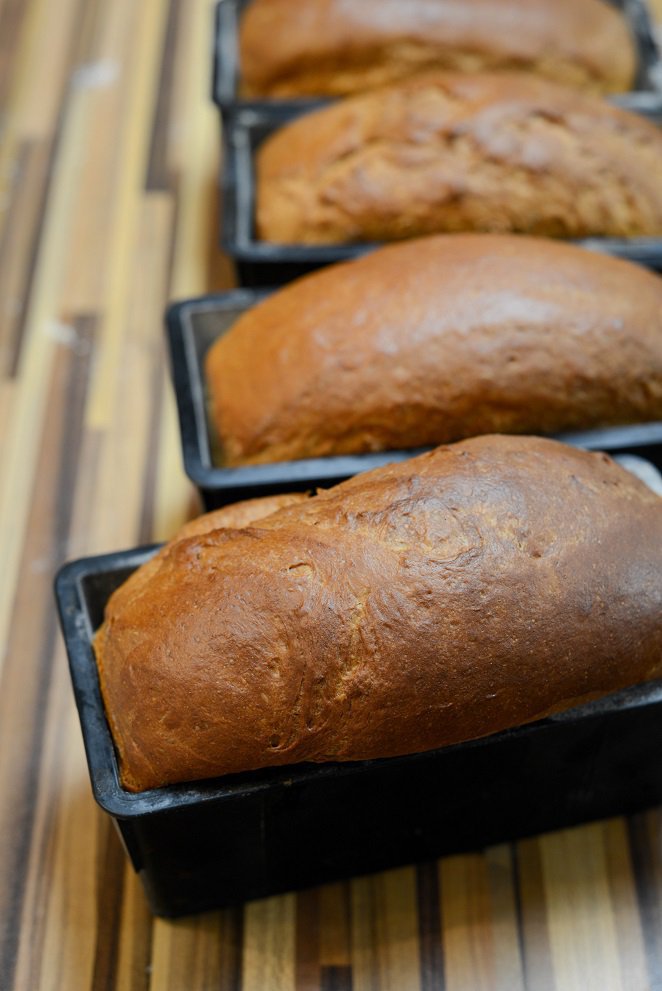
{"type": "Point", "coordinates": [147, 33]}
{"type": "Point", "coordinates": [480, 927]}
{"type": "Point", "coordinates": [50, 34]}
{"type": "Point", "coordinates": [71, 924]}
{"type": "Point", "coordinates": [7, 399]}
{"type": "Point", "coordinates": [126, 448]}
{"type": "Point", "coordinates": [269, 944]}
{"type": "Point", "coordinates": [623, 897]}
{"type": "Point", "coordinates": [188, 953]}
{"type": "Point", "coordinates": [581, 913]}
{"type": "Point", "coordinates": [107, 82]}
{"type": "Point", "coordinates": [193, 151]}
{"type": "Point", "coordinates": [37, 84]}
{"type": "Point", "coordinates": [385, 946]}
{"type": "Point", "coordinates": [43, 327]}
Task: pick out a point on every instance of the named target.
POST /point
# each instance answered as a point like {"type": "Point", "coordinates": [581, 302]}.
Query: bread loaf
{"type": "Point", "coordinates": [437, 600]}
{"type": "Point", "coordinates": [433, 340]}
{"type": "Point", "coordinates": [453, 153]}
{"type": "Point", "coordinates": [334, 47]}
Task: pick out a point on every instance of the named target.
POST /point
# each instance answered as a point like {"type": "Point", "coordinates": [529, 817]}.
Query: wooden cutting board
{"type": "Point", "coordinates": [108, 165]}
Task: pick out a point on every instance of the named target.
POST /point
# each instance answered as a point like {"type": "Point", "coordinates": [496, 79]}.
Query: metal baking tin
{"type": "Point", "coordinates": [261, 263]}
{"type": "Point", "coordinates": [208, 844]}
{"type": "Point", "coordinates": [193, 326]}
{"type": "Point", "coordinates": [646, 95]}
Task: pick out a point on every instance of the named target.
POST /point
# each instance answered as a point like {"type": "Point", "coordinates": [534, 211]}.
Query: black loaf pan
{"type": "Point", "coordinates": [262, 263]}
{"type": "Point", "coordinates": [193, 326]}
{"type": "Point", "coordinates": [208, 844]}
{"type": "Point", "coordinates": [647, 94]}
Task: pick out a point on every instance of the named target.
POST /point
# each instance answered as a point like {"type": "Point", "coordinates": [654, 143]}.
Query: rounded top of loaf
{"type": "Point", "coordinates": [335, 47]}
{"type": "Point", "coordinates": [434, 339]}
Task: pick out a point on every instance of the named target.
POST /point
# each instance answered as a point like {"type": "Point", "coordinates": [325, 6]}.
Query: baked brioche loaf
{"type": "Point", "coordinates": [441, 599]}
{"type": "Point", "coordinates": [335, 47]}
{"type": "Point", "coordinates": [429, 341]}
{"type": "Point", "coordinates": [453, 153]}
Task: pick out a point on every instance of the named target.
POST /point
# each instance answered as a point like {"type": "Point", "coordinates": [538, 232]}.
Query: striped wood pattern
{"type": "Point", "coordinates": [108, 160]}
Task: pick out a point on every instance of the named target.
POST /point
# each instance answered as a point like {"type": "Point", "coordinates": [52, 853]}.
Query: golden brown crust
{"type": "Point", "coordinates": [453, 153]}
{"type": "Point", "coordinates": [238, 514]}
{"type": "Point", "coordinates": [233, 517]}
{"type": "Point", "coordinates": [335, 47]}
{"type": "Point", "coordinates": [433, 340]}
{"type": "Point", "coordinates": [441, 599]}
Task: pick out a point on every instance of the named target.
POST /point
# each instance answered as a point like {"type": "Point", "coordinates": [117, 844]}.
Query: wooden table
{"type": "Point", "coordinates": [108, 208]}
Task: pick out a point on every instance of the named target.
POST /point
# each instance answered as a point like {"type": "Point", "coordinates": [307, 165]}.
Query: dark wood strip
{"type": "Point", "coordinates": [10, 297]}
{"type": "Point", "coordinates": [230, 949]}
{"type": "Point", "coordinates": [110, 889]}
{"type": "Point", "coordinates": [220, 270]}
{"type": "Point", "coordinates": [158, 175]}
{"type": "Point", "coordinates": [335, 925]}
{"type": "Point", "coordinates": [429, 927]}
{"type": "Point", "coordinates": [12, 17]}
{"type": "Point", "coordinates": [19, 246]}
{"type": "Point", "coordinates": [26, 675]}
{"type": "Point", "coordinates": [336, 979]}
{"type": "Point", "coordinates": [645, 840]}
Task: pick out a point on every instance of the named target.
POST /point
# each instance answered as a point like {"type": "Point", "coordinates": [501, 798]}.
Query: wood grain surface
{"type": "Point", "coordinates": [108, 208]}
